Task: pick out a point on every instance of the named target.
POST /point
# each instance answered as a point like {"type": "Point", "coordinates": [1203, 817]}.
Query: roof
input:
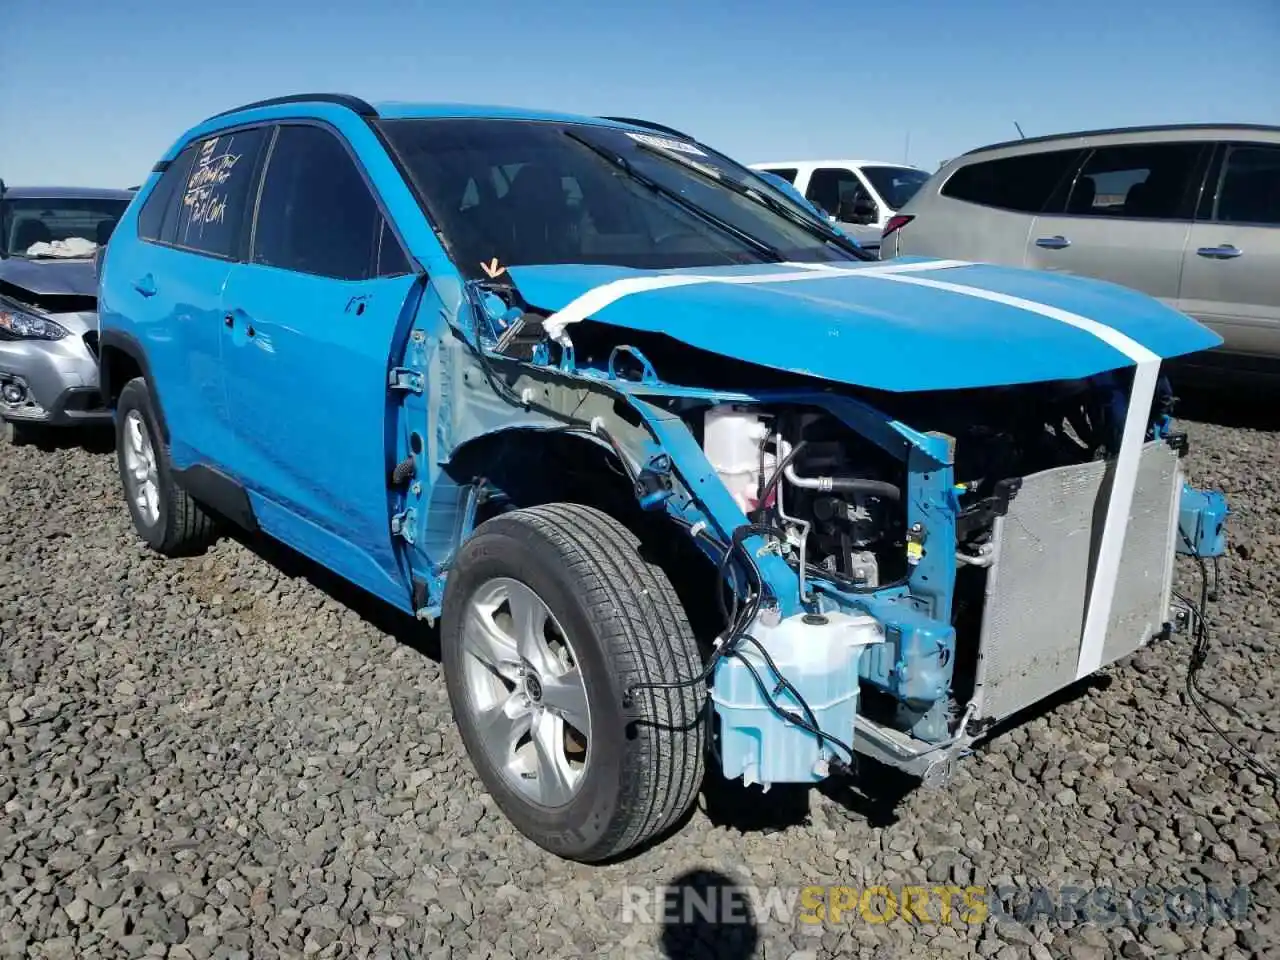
{"type": "Point", "coordinates": [63, 193]}
{"type": "Point", "coordinates": [1153, 128]}
{"type": "Point", "coordinates": [846, 162]}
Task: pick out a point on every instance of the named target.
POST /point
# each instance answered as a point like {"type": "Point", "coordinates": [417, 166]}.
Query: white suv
{"type": "Point", "coordinates": [859, 195]}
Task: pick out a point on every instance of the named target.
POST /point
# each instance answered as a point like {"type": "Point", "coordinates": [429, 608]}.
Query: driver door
{"type": "Point", "coordinates": [308, 324]}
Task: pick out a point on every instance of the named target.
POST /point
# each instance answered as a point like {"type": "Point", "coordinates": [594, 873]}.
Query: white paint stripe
{"type": "Point", "coordinates": [1107, 571]}
{"type": "Point", "coordinates": [597, 298]}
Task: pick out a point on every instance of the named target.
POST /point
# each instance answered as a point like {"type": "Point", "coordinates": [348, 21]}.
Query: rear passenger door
{"type": "Point", "coordinates": [193, 225]}
{"type": "Point", "coordinates": [1125, 218]}
{"type": "Point", "coordinates": [1232, 263]}
{"type": "Point", "coordinates": [309, 321]}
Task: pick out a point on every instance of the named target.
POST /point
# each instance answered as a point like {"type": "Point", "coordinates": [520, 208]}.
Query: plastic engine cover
{"type": "Point", "coordinates": [820, 659]}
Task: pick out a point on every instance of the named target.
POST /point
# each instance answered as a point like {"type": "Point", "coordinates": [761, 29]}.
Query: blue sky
{"type": "Point", "coordinates": [91, 93]}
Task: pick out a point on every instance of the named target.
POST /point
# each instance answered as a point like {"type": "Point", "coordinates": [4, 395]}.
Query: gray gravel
{"type": "Point", "coordinates": [229, 756]}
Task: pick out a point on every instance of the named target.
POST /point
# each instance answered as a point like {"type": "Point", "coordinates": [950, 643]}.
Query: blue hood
{"type": "Point", "coordinates": [886, 335]}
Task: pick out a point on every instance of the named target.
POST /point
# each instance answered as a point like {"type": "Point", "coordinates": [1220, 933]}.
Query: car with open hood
{"type": "Point", "coordinates": [49, 238]}
{"type": "Point", "coordinates": [683, 475]}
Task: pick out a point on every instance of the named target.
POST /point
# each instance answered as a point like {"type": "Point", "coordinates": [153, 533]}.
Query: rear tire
{"type": "Point", "coordinates": [164, 514]}
{"type": "Point", "coordinates": [621, 623]}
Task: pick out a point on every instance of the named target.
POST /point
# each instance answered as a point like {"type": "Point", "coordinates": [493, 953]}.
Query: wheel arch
{"type": "Point", "coordinates": [121, 358]}
{"type": "Point", "coordinates": [533, 466]}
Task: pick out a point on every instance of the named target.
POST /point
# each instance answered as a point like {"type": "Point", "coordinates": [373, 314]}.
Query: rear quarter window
{"type": "Point", "coordinates": [1023, 183]}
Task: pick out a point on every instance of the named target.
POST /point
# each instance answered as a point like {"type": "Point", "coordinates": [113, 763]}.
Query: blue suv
{"type": "Point", "coordinates": [684, 475]}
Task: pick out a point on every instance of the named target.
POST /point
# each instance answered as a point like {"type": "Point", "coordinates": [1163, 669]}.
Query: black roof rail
{"type": "Point", "coordinates": [650, 125]}
{"type": "Point", "coordinates": [354, 104]}
{"type": "Point", "coordinates": [1111, 131]}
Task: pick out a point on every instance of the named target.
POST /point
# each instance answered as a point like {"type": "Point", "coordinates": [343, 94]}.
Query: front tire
{"type": "Point", "coordinates": [18, 434]}
{"type": "Point", "coordinates": [164, 514]}
{"type": "Point", "coordinates": [550, 613]}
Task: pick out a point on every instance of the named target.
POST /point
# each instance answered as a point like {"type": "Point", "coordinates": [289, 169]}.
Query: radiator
{"type": "Point", "coordinates": [1038, 583]}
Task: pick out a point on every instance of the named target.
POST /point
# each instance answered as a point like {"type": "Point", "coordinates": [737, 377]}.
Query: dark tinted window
{"type": "Point", "coordinates": [830, 185]}
{"type": "Point", "coordinates": [217, 192]}
{"type": "Point", "coordinates": [158, 218]}
{"type": "Point", "coordinates": [896, 184]}
{"type": "Point", "coordinates": [786, 173]}
{"type": "Point", "coordinates": [317, 214]}
{"type": "Point", "coordinates": [1145, 181]}
{"type": "Point", "coordinates": [543, 192]}
{"type": "Point", "coordinates": [1013, 183]}
{"type": "Point", "coordinates": [1250, 187]}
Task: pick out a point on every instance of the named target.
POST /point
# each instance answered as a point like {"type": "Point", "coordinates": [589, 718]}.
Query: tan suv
{"type": "Point", "coordinates": [1189, 214]}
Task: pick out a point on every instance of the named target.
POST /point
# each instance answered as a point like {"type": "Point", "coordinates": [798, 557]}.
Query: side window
{"type": "Point", "coordinates": [158, 216]}
{"type": "Point", "coordinates": [1143, 181]}
{"type": "Point", "coordinates": [1023, 183]}
{"type": "Point", "coordinates": [216, 197]}
{"type": "Point", "coordinates": [786, 173]}
{"type": "Point", "coordinates": [829, 185]}
{"type": "Point", "coordinates": [1249, 191]}
{"type": "Point", "coordinates": [316, 214]}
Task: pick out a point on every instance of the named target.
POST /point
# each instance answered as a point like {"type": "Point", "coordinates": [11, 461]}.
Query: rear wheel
{"type": "Point", "coordinates": [164, 514]}
{"type": "Point", "coordinates": [550, 613]}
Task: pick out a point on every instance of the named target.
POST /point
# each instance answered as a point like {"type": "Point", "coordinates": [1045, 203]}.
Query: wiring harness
{"type": "Point", "coordinates": [1199, 627]}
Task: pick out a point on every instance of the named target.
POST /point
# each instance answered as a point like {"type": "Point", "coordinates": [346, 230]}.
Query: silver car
{"type": "Point", "coordinates": [49, 303]}
{"type": "Point", "coordinates": [1189, 214]}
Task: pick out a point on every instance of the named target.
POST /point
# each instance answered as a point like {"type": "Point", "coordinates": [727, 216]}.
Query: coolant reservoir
{"type": "Point", "coordinates": [732, 439]}
{"type": "Point", "coordinates": [820, 657]}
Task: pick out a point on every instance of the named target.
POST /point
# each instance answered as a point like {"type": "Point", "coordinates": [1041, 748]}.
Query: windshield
{"type": "Point", "coordinates": [539, 192]}
{"type": "Point", "coordinates": [57, 226]}
{"type": "Point", "coordinates": [896, 185]}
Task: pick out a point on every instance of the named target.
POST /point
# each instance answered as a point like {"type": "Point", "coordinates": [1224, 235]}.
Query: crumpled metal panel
{"type": "Point", "coordinates": [1038, 584]}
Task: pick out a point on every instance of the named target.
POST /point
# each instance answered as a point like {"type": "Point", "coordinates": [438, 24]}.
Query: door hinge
{"type": "Point", "coordinates": [402, 378]}
{"type": "Point", "coordinates": [402, 525]}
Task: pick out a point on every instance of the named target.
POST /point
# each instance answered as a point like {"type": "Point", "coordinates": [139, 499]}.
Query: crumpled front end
{"type": "Point", "coordinates": [912, 547]}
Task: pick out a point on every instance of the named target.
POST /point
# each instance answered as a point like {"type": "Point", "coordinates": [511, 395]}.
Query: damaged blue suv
{"type": "Point", "coordinates": [685, 477]}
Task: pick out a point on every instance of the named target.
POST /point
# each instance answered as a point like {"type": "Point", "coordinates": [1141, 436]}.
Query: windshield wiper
{"type": "Point", "coordinates": [621, 163]}
{"type": "Point", "coordinates": [810, 225]}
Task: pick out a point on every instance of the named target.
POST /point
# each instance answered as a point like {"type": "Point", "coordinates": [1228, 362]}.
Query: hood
{"type": "Point", "coordinates": [49, 278]}
{"type": "Point", "coordinates": [907, 324]}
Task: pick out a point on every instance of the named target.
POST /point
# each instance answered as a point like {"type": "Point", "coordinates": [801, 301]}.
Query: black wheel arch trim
{"type": "Point", "coordinates": [129, 345]}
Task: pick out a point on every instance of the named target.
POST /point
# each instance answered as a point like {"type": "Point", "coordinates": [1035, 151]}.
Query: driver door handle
{"type": "Point", "coordinates": [145, 285]}
{"type": "Point", "coordinates": [1053, 243]}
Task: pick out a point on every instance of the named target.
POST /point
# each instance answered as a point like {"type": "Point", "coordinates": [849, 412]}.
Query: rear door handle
{"type": "Point", "coordinates": [1224, 252]}
{"type": "Point", "coordinates": [1053, 243]}
{"type": "Point", "coordinates": [146, 285]}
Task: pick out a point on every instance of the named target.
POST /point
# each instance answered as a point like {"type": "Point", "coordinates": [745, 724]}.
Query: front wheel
{"type": "Point", "coordinates": [17, 434]}
{"type": "Point", "coordinates": [550, 614]}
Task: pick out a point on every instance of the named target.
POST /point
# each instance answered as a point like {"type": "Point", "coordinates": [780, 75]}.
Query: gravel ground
{"type": "Point", "coordinates": [231, 756]}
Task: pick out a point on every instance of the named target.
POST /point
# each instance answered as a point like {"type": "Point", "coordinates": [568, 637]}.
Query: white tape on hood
{"type": "Point", "coordinates": [1107, 568]}
{"type": "Point", "coordinates": [597, 298]}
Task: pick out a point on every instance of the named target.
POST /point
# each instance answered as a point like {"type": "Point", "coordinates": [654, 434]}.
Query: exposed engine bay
{"type": "Point", "coordinates": [904, 568]}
